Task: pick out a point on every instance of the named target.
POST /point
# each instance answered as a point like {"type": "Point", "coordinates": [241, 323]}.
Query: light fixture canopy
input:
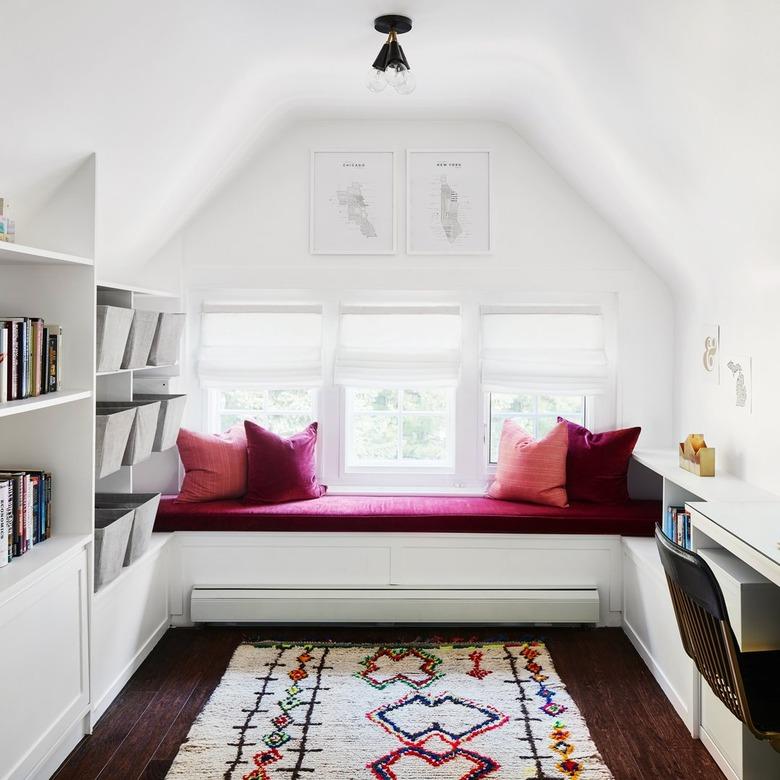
{"type": "Point", "coordinates": [391, 66]}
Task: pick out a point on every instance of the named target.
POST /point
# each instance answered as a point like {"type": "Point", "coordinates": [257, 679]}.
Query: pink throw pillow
{"type": "Point", "coordinates": [530, 470]}
{"type": "Point", "coordinates": [281, 469]}
{"type": "Point", "coordinates": [597, 464]}
{"type": "Point", "coordinates": [214, 464]}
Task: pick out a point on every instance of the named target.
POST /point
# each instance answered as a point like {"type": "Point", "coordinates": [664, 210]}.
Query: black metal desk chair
{"type": "Point", "coordinates": [747, 683]}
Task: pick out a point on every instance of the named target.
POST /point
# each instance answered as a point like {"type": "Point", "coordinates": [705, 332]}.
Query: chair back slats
{"type": "Point", "coordinates": [706, 641]}
{"type": "Point", "coordinates": [705, 631]}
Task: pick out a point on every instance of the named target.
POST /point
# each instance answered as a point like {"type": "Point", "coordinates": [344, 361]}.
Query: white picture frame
{"type": "Point", "coordinates": [739, 369]}
{"type": "Point", "coordinates": [352, 203]}
{"type": "Point", "coordinates": [709, 353]}
{"type": "Point", "coordinates": [467, 174]}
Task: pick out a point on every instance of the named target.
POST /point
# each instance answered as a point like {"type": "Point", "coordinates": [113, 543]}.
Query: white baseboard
{"type": "Point", "coordinates": [51, 762]}
{"type": "Point", "coordinates": [671, 694]}
{"type": "Point", "coordinates": [124, 676]}
{"type": "Point", "coordinates": [719, 758]}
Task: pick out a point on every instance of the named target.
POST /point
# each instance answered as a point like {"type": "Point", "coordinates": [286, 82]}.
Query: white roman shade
{"type": "Point", "coordinates": [245, 345]}
{"type": "Point", "coordinates": [393, 346]}
{"type": "Point", "coordinates": [544, 349]}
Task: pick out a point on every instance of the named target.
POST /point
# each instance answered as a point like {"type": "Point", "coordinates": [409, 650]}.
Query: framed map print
{"type": "Point", "coordinates": [448, 202]}
{"type": "Point", "coordinates": [352, 203]}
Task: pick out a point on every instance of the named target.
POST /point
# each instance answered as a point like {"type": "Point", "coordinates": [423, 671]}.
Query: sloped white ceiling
{"type": "Point", "coordinates": [664, 114]}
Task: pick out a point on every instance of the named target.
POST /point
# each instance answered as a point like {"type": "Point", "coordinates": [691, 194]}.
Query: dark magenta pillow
{"type": "Point", "coordinates": [278, 469]}
{"type": "Point", "coordinates": [597, 464]}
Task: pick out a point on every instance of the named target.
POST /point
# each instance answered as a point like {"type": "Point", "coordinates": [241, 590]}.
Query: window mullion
{"type": "Point", "coordinates": [400, 405]}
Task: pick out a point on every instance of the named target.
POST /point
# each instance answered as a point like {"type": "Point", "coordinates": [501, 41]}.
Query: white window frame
{"type": "Point", "coordinates": [589, 401]}
{"type": "Point", "coordinates": [400, 466]}
{"type": "Point", "coordinates": [471, 469]}
{"type": "Point", "coordinates": [214, 413]}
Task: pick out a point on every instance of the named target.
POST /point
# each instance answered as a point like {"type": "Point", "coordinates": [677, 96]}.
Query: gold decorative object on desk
{"type": "Point", "coordinates": [696, 456]}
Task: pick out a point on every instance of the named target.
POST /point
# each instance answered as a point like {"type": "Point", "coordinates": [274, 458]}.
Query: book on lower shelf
{"type": "Point", "coordinates": [677, 526]}
{"type": "Point", "coordinates": [25, 511]}
{"type": "Point", "coordinates": [30, 358]}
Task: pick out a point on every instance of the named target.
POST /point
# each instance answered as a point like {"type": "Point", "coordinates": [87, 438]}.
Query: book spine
{"type": "Point", "coordinates": [18, 516]}
{"type": "Point", "coordinates": [3, 520]}
{"type": "Point", "coordinates": [13, 386]}
{"type": "Point", "coordinates": [43, 365]}
{"type": "Point", "coordinates": [59, 358]}
{"type": "Point", "coordinates": [25, 359]}
{"type": "Point", "coordinates": [9, 519]}
{"type": "Point", "coordinates": [36, 352]}
{"type": "Point", "coordinates": [52, 363]}
{"type": "Point", "coordinates": [3, 363]}
{"type": "Point", "coordinates": [28, 512]}
{"type": "Point", "coordinates": [48, 505]}
{"type": "Point", "coordinates": [36, 508]}
{"type": "Point", "coordinates": [33, 353]}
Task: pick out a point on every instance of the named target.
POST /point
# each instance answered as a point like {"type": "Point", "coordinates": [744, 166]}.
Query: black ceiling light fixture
{"type": "Point", "coordinates": [391, 66]}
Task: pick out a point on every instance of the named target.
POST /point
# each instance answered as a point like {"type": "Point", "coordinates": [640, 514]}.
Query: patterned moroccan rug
{"type": "Point", "coordinates": [419, 712]}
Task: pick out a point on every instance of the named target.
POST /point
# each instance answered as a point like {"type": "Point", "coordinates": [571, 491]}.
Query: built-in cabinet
{"type": "Point", "coordinates": [65, 652]}
{"type": "Point", "coordinates": [140, 593]}
{"type": "Point", "coordinates": [45, 595]}
{"type": "Point", "coordinates": [753, 604]}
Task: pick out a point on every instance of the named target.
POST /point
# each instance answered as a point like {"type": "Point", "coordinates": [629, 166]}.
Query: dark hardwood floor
{"type": "Point", "coordinates": [633, 725]}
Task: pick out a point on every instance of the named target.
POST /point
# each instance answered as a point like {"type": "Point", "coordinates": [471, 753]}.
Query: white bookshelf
{"type": "Point", "coordinates": [140, 592]}
{"type": "Point", "coordinates": [37, 563]}
{"type": "Point", "coordinates": [120, 385]}
{"type": "Point", "coordinates": [18, 254]}
{"type": "Point", "coordinates": [47, 591]}
{"type": "Point", "coordinates": [43, 402]}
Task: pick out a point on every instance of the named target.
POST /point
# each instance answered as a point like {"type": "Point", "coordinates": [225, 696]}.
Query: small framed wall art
{"type": "Point", "coordinates": [352, 209]}
{"type": "Point", "coordinates": [740, 371]}
{"type": "Point", "coordinates": [448, 202]}
{"type": "Point", "coordinates": [709, 353]}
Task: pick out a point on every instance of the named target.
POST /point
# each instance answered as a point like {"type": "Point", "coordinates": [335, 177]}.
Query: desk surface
{"type": "Point", "coordinates": [749, 529]}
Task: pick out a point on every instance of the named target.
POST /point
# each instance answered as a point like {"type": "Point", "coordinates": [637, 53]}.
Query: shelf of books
{"type": "Point", "coordinates": [47, 326]}
{"type": "Point", "coordinates": [47, 446]}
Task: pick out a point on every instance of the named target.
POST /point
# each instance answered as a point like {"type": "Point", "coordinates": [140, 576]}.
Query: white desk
{"type": "Point", "coordinates": [748, 529]}
{"type": "Point", "coordinates": [748, 533]}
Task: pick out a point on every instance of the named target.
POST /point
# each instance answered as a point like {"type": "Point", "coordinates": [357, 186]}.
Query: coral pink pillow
{"type": "Point", "coordinates": [530, 470]}
{"type": "Point", "coordinates": [214, 465]}
{"type": "Point", "coordinates": [597, 464]}
{"type": "Point", "coordinates": [281, 469]}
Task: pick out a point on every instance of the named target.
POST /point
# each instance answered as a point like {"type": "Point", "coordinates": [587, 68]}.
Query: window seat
{"type": "Point", "coordinates": [410, 514]}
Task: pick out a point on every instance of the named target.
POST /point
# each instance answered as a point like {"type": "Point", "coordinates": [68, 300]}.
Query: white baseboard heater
{"type": "Point", "coordinates": [393, 604]}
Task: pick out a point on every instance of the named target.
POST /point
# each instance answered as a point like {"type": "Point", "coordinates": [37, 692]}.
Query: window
{"type": "Point", "coordinates": [284, 411]}
{"type": "Point", "coordinates": [406, 429]}
{"type": "Point", "coordinates": [536, 413]}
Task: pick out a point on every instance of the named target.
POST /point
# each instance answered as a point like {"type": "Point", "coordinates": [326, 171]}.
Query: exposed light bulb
{"type": "Point", "coordinates": [376, 80]}
{"type": "Point", "coordinates": [394, 74]}
{"type": "Point", "coordinates": [406, 83]}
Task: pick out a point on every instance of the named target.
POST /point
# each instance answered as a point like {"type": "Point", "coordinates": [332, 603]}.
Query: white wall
{"type": "Point", "coordinates": [744, 301]}
{"type": "Point", "coordinates": [254, 234]}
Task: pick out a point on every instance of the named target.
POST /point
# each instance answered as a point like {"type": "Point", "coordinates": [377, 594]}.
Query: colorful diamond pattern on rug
{"type": "Point", "coordinates": [417, 716]}
{"type": "Point", "coordinates": [337, 712]}
{"type": "Point", "coordinates": [408, 665]}
{"type": "Point", "coordinates": [417, 760]}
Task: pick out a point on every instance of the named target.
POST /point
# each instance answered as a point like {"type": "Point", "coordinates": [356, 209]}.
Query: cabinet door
{"type": "Point", "coordinates": [44, 686]}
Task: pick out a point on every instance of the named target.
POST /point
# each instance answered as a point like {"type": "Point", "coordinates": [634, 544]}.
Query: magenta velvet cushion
{"type": "Point", "coordinates": [281, 469]}
{"type": "Point", "coordinates": [597, 464]}
{"type": "Point", "coordinates": [411, 514]}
